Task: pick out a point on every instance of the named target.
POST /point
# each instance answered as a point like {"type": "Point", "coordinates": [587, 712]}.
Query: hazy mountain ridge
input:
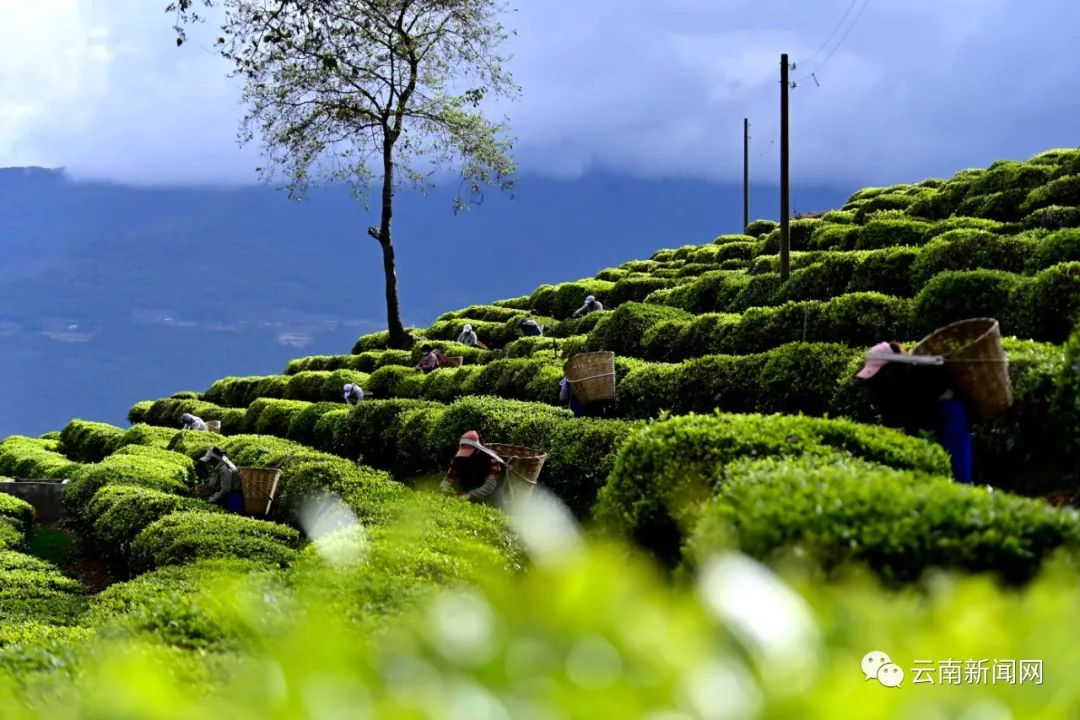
{"type": "Point", "coordinates": [123, 292]}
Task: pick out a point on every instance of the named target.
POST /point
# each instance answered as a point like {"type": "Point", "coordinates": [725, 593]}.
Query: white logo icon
{"type": "Point", "coordinates": [878, 665]}
{"type": "Point", "coordinates": [890, 675]}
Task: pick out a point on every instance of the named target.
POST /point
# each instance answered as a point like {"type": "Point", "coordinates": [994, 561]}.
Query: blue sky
{"type": "Point", "coordinates": [918, 88]}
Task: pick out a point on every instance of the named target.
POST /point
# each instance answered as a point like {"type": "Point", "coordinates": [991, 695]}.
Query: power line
{"type": "Point", "coordinates": [836, 47]}
{"type": "Point", "coordinates": [830, 36]}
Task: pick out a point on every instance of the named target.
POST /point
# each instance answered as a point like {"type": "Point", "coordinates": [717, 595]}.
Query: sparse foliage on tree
{"type": "Point", "coordinates": [370, 92]}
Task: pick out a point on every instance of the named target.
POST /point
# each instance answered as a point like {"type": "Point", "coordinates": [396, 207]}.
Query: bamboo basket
{"type": "Point", "coordinates": [455, 361]}
{"type": "Point", "coordinates": [258, 486]}
{"type": "Point", "coordinates": [976, 359]}
{"type": "Point", "coordinates": [592, 376]}
{"type": "Point", "coordinates": [523, 466]}
{"type": "Point", "coordinates": [213, 426]}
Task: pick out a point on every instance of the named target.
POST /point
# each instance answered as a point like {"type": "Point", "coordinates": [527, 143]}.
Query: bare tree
{"type": "Point", "coordinates": [366, 91]}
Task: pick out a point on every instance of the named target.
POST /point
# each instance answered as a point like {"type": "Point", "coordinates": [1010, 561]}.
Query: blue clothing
{"type": "Point", "coordinates": [234, 502]}
{"type": "Point", "coordinates": [566, 394]}
{"type": "Point", "coordinates": [954, 434]}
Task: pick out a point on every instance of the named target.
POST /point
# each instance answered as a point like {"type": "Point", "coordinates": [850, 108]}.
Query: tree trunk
{"type": "Point", "coordinates": [398, 337]}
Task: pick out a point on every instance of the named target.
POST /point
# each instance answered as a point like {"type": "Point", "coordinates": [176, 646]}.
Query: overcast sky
{"type": "Point", "coordinates": [917, 88]}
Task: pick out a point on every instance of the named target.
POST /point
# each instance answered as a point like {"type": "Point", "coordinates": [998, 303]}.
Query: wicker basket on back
{"type": "Point", "coordinates": [592, 376]}
{"type": "Point", "coordinates": [523, 466]}
{"type": "Point", "coordinates": [455, 361]}
{"type": "Point", "coordinates": [213, 426]}
{"type": "Point", "coordinates": [258, 486]}
{"type": "Point", "coordinates": [976, 359]}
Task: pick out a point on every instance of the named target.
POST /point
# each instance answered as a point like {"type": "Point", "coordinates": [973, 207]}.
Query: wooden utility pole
{"type": "Point", "coordinates": [745, 173]}
{"type": "Point", "coordinates": [785, 189]}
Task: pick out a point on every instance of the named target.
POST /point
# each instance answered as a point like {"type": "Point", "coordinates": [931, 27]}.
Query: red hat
{"type": "Point", "coordinates": [468, 450]}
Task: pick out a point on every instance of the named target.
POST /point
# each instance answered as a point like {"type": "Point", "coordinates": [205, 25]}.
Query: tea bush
{"type": "Point", "coordinates": [710, 292]}
{"type": "Point", "coordinates": [20, 513]}
{"type": "Point", "coordinates": [1057, 247]}
{"type": "Point", "coordinates": [833, 236]}
{"type": "Point", "coordinates": [1062, 191]}
{"type": "Point", "coordinates": [492, 334]}
{"type": "Point", "coordinates": [581, 455]}
{"type": "Point", "coordinates": [577, 326]}
{"type": "Point", "coordinates": [23, 457]}
{"type": "Point", "coordinates": [844, 511]}
{"type": "Point", "coordinates": [148, 472]}
{"type": "Point", "coordinates": [138, 411]}
{"type": "Point", "coordinates": [158, 453]}
{"type": "Point", "coordinates": [612, 274]}
{"type": "Point", "coordinates": [35, 591]}
{"type": "Point", "coordinates": [367, 432]}
{"type": "Point", "coordinates": [303, 423]}
{"type": "Point", "coordinates": [822, 280]}
{"type": "Point", "coordinates": [192, 608]}
{"type": "Point", "coordinates": [757, 228]}
{"type": "Point", "coordinates": [486, 313]}
{"type": "Point", "coordinates": [380, 340]}
{"type": "Point", "coordinates": [239, 392]}
{"type": "Point", "coordinates": [959, 295]}
{"type": "Point", "coordinates": [560, 301]}
{"type": "Point", "coordinates": [1047, 307]}
{"type": "Point", "coordinates": [622, 330]}
{"type": "Point", "coordinates": [273, 417]}
{"type": "Point", "coordinates": [184, 537]}
{"type": "Point", "coordinates": [886, 271]}
{"type": "Point", "coordinates": [884, 232]}
{"type": "Point", "coordinates": [667, 469]}
{"type": "Point", "coordinates": [117, 513]}
{"type": "Point", "coordinates": [11, 535]}
{"type": "Point", "coordinates": [497, 420]}
{"type": "Point", "coordinates": [530, 346]}
{"type": "Point", "coordinates": [84, 441]}
{"type": "Point", "coordinates": [144, 434]}
{"type": "Point", "coordinates": [1053, 217]}
{"type": "Point", "coordinates": [971, 250]}
{"type": "Point", "coordinates": [365, 362]}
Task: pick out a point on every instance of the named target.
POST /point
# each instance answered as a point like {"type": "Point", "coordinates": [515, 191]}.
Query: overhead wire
{"type": "Point", "coordinates": [829, 37]}
{"type": "Point", "coordinates": [823, 63]}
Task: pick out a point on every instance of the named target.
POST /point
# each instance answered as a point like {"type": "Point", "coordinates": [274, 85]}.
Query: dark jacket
{"type": "Point", "coordinates": [476, 477]}
{"type": "Point", "coordinates": [907, 396]}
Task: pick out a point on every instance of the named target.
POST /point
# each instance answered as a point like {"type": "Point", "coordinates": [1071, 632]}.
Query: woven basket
{"type": "Point", "coordinates": [592, 376]}
{"type": "Point", "coordinates": [455, 361]}
{"type": "Point", "coordinates": [258, 486]}
{"type": "Point", "coordinates": [523, 466]}
{"type": "Point", "coordinates": [213, 426]}
{"type": "Point", "coordinates": [976, 359]}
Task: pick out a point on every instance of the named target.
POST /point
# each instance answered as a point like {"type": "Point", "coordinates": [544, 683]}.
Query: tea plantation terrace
{"type": "Point", "coordinates": [738, 424]}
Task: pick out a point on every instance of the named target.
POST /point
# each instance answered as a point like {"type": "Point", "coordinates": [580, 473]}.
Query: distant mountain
{"type": "Point", "coordinates": [111, 294]}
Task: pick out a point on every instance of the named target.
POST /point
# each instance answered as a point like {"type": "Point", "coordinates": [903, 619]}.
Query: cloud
{"type": "Point", "coordinates": [650, 89]}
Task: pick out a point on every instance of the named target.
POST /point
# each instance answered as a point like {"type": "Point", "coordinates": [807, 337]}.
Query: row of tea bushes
{"type": "Point", "coordinates": [807, 378]}
{"type": "Point", "coordinates": [1044, 307]}
{"type": "Point", "coordinates": [841, 511]}
{"type": "Point", "coordinates": [897, 270]}
{"type": "Point", "coordinates": [666, 470]}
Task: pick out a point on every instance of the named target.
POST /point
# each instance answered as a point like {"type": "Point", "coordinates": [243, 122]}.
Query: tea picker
{"type": "Point", "coordinates": [957, 367]}
{"type": "Point", "coordinates": [224, 479]}
{"type": "Point", "coordinates": [193, 422]}
{"type": "Point", "coordinates": [474, 472]}
{"type": "Point", "coordinates": [588, 384]}
{"type": "Point", "coordinates": [353, 394]}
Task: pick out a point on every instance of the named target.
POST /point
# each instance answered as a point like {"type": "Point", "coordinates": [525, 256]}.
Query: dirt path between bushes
{"type": "Point", "coordinates": [64, 549]}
